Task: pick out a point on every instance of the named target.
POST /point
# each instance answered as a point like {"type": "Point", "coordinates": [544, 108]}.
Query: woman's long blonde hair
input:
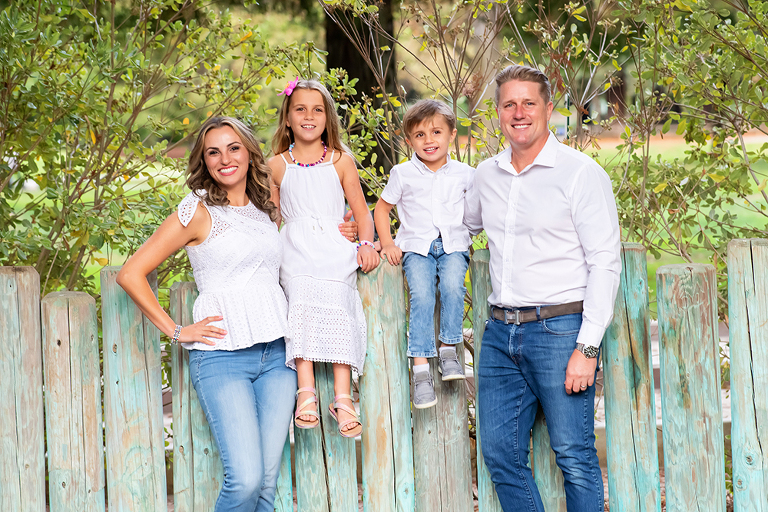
{"type": "Point", "coordinates": [257, 185]}
{"type": "Point", "coordinates": [331, 136]}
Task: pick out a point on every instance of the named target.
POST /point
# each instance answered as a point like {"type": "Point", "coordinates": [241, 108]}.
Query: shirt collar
{"type": "Point", "coordinates": [547, 157]}
{"type": "Point", "coordinates": [422, 167]}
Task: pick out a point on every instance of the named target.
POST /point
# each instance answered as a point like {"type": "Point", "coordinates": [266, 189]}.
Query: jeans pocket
{"type": "Point", "coordinates": [564, 325]}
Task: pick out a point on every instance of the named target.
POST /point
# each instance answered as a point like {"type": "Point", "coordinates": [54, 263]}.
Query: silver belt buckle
{"type": "Point", "coordinates": [507, 318]}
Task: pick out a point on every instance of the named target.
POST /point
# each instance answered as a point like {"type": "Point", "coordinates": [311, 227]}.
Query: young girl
{"type": "Point", "coordinates": [313, 174]}
{"type": "Point", "coordinates": [236, 347]}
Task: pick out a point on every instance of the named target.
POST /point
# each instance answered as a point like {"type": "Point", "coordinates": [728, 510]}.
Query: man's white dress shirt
{"type": "Point", "coordinates": [553, 233]}
{"type": "Point", "coordinates": [429, 204]}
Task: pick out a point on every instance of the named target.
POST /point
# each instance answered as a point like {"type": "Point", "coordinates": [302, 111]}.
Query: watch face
{"type": "Point", "coordinates": [589, 351]}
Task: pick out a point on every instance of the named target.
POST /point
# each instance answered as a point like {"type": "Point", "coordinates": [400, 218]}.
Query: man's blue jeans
{"type": "Point", "coordinates": [422, 273]}
{"type": "Point", "coordinates": [522, 367]}
{"type": "Point", "coordinates": [248, 397]}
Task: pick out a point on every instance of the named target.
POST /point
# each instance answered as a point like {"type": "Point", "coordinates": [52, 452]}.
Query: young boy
{"type": "Point", "coordinates": [432, 241]}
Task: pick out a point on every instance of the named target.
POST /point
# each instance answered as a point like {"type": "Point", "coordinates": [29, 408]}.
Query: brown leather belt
{"type": "Point", "coordinates": [522, 316]}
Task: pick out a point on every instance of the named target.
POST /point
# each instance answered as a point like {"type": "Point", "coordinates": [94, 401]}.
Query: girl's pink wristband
{"type": "Point", "coordinates": [365, 242]}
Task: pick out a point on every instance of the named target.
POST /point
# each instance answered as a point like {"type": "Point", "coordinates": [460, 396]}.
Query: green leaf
{"type": "Point", "coordinates": [564, 112]}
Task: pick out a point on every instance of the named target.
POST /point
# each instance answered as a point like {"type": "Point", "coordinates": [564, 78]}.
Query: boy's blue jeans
{"type": "Point", "coordinates": [521, 368]}
{"type": "Point", "coordinates": [247, 396]}
{"type": "Point", "coordinates": [422, 273]}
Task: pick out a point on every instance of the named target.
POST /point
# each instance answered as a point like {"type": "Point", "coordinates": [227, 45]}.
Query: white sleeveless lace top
{"type": "Point", "coordinates": [236, 271]}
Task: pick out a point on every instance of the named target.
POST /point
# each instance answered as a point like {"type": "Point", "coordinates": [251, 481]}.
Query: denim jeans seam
{"type": "Point", "coordinates": [518, 464]}
{"type": "Point", "coordinates": [421, 354]}
{"type": "Point", "coordinates": [595, 481]}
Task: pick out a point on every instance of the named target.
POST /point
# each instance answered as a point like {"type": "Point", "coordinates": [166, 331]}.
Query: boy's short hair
{"type": "Point", "coordinates": [524, 74]}
{"type": "Point", "coordinates": [427, 109]}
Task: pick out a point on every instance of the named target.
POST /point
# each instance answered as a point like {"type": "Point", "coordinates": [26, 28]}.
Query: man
{"type": "Point", "coordinates": [553, 234]}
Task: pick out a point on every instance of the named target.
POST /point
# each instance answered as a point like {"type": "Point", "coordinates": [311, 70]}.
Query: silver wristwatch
{"type": "Point", "coordinates": [589, 351]}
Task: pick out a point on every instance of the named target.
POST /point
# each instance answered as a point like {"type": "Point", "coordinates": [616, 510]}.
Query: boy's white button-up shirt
{"type": "Point", "coordinates": [553, 233]}
{"type": "Point", "coordinates": [430, 203]}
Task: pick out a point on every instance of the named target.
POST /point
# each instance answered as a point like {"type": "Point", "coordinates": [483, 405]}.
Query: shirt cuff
{"type": "Point", "coordinates": [590, 334]}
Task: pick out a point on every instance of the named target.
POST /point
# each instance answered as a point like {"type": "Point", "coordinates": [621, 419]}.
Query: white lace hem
{"type": "Point", "coordinates": [325, 323]}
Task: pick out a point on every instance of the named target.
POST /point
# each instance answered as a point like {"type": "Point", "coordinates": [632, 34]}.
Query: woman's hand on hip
{"type": "Point", "coordinates": [201, 331]}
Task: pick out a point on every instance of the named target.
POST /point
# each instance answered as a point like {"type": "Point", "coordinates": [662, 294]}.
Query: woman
{"type": "Point", "coordinates": [236, 345]}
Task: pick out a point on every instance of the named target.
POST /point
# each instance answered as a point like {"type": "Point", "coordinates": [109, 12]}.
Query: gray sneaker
{"type": "Point", "coordinates": [423, 390]}
{"type": "Point", "coordinates": [449, 366]}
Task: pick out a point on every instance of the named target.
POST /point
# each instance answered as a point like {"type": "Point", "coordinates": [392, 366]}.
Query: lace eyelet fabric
{"type": "Point", "coordinates": [236, 269]}
{"type": "Point", "coordinates": [326, 323]}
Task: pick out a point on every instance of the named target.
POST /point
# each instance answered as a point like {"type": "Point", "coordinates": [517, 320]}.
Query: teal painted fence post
{"type": "Point", "coordinates": [22, 463]}
{"type": "Point", "coordinates": [309, 461]}
{"type": "Point", "coordinates": [748, 329]}
{"type": "Point", "coordinates": [630, 409]}
{"type": "Point", "coordinates": [197, 470]}
{"type": "Point", "coordinates": [694, 467]}
{"type": "Point", "coordinates": [326, 462]}
{"type": "Point", "coordinates": [385, 401]}
{"type": "Point", "coordinates": [441, 453]}
{"type": "Point", "coordinates": [487, 500]}
{"type": "Point", "coordinates": [133, 409]}
{"type": "Point", "coordinates": [75, 438]}
{"type": "Point", "coordinates": [340, 456]}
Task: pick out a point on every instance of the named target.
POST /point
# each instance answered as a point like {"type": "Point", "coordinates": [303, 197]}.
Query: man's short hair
{"type": "Point", "coordinates": [427, 109]}
{"type": "Point", "coordinates": [524, 74]}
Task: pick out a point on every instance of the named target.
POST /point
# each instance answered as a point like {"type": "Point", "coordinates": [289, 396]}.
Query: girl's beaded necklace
{"type": "Point", "coordinates": [290, 153]}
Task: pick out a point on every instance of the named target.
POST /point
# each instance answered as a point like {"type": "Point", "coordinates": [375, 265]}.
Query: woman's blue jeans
{"type": "Point", "coordinates": [248, 397]}
{"type": "Point", "coordinates": [521, 368]}
{"type": "Point", "coordinates": [422, 273]}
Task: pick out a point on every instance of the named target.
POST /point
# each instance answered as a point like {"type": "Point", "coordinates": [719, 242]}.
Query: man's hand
{"type": "Point", "coordinates": [393, 254]}
{"type": "Point", "coordinates": [580, 373]}
{"type": "Point", "coordinates": [349, 227]}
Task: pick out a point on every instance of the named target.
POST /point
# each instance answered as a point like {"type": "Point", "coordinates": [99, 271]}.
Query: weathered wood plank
{"type": "Point", "coordinates": [694, 467]}
{"type": "Point", "coordinates": [311, 477]}
{"type": "Point", "coordinates": [133, 409]}
{"type": "Point", "coordinates": [487, 499]}
{"type": "Point", "coordinates": [339, 451]}
{"type": "Point", "coordinates": [443, 479]}
{"type": "Point", "coordinates": [546, 473]}
{"type": "Point", "coordinates": [387, 448]}
{"type": "Point", "coordinates": [748, 330]}
{"type": "Point", "coordinates": [22, 463]}
{"type": "Point", "coordinates": [181, 300]}
{"type": "Point", "coordinates": [630, 410]}
{"type": "Point", "coordinates": [75, 438]}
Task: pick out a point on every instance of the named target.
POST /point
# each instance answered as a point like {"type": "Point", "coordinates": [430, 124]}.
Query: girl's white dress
{"type": "Point", "coordinates": [319, 270]}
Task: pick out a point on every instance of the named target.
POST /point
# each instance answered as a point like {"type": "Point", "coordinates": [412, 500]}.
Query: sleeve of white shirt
{"type": "Point", "coordinates": [597, 225]}
{"type": "Point", "coordinates": [393, 191]}
{"type": "Point", "coordinates": [473, 218]}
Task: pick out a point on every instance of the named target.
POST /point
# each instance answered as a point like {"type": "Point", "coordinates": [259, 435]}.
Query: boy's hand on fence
{"type": "Point", "coordinates": [367, 258]}
{"type": "Point", "coordinates": [580, 373]}
{"type": "Point", "coordinates": [349, 227]}
{"type": "Point", "coordinates": [201, 331]}
{"type": "Point", "coordinates": [392, 253]}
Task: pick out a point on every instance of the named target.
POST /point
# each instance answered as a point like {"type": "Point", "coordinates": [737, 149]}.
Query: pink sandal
{"type": "Point", "coordinates": [301, 412]}
{"type": "Point", "coordinates": [353, 432]}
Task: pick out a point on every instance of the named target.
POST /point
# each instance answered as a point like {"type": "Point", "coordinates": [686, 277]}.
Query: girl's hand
{"type": "Point", "coordinates": [200, 331]}
{"type": "Point", "coordinates": [367, 258]}
{"type": "Point", "coordinates": [392, 253]}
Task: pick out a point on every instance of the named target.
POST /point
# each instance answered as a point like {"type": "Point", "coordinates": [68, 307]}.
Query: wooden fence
{"type": "Point", "coordinates": [411, 460]}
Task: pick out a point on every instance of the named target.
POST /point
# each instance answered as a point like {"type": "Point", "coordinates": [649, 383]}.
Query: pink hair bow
{"type": "Point", "coordinates": [290, 87]}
